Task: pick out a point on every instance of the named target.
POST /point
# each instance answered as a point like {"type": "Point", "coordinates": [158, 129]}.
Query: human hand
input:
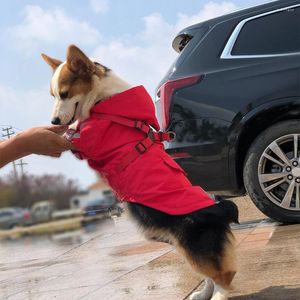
{"type": "Point", "coordinates": [45, 140]}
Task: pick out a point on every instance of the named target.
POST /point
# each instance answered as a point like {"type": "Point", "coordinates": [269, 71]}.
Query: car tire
{"type": "Point", "coordinates": [272, 172]}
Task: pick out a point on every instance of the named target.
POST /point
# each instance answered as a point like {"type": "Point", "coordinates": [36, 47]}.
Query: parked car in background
{"type": "Point", "coordinates": [107, 204]}
{"type": "Point", "coordinates": [233, 99]}
{"type": "Point", "coordinates": [41, 211]}
{"type": "Point", "coordinates": [45, 211]}
{"type": "Point", "coordinates": [11, 217]}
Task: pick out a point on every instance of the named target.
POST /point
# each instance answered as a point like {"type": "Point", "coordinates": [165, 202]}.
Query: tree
{"type": "Point", "coordinates": [32, 188]}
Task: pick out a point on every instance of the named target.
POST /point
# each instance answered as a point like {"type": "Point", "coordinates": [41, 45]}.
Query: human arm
{"type": "Point", "coordinates": [39, 140]}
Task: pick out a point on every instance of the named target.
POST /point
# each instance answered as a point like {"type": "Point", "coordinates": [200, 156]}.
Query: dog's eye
{"type": "Point", "coordinates": [63, 95]}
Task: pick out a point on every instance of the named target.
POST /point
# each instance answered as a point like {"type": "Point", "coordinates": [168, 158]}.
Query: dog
{"type": "Point", "coordinates": [91, 95]}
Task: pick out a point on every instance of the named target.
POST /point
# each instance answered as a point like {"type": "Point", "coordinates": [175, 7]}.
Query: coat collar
{"type": "Point", "coordinates": [134, 103]}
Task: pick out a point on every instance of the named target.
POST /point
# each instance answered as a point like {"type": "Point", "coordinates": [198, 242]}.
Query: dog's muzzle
{"type": "Point", "coordinates": [56, 121]}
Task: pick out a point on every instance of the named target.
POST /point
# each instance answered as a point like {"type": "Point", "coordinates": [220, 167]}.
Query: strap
{"type": "Point", "coordinates": [158, 136]}
{"type": "Point", "coordinates": [142, 146]}
{"type": "Point", "coordinates": [139, 149]}
{"type": "Point", "coordinates": [143, 126]}
{"type": "Point", "coordinates": [162, 135]}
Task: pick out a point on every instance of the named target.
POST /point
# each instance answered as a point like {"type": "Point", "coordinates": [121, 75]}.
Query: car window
{"type": "Point", "coordinates": [5, 214]}
{"type": "Point", "coordinates": [277, 33]}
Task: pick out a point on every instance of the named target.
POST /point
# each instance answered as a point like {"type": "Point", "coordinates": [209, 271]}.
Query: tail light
{"type": "Point", "coordinates": [166, 91]}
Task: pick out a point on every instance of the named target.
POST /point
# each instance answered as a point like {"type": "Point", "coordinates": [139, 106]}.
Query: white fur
{"type": "Point", "coordinates": [102, 88]}
{"type": "Point", "coordinates": [206, 293]}
{"type": "Point", "coordinates": [211, 291]}
{"type": "Point", "coordinates": [219, 293]}
{"type": "Point", "coordinates": [63, 109]}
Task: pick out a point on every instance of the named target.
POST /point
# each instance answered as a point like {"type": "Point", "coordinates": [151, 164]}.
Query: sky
{"type": "Point", "coordinates": [131, 37]}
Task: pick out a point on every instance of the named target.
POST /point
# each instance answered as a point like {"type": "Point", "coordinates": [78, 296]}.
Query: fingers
{"type": "Point", "coordinates": [65, 144]}
{"type": "Point", "coordinates": [59, 129]}
{"type": "Point", "coordinates": [52, 154]}
{"type": "Point", "coordinates": [62, 141]}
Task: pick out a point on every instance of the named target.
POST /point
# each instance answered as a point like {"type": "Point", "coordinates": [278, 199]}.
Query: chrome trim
{"type": "Point", "coordinates": [226, 54]}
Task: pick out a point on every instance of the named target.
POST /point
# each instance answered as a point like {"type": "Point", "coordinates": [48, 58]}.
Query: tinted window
{"type": "Point", "coordinates": [272, 34]}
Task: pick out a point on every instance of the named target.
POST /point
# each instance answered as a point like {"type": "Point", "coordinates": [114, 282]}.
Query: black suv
{"type": "Point", "coordinates": [233, 99]}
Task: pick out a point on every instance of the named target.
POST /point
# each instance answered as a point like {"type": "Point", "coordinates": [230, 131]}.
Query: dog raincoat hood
{"type": "Point", "coordinates": [153, 179]}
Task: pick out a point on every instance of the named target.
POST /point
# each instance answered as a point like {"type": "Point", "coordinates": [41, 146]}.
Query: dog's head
{"type": "Point", "coordinates": [75, 85]}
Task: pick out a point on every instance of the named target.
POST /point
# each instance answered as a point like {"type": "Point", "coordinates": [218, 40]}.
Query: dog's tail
{"type": "Point", "coordinates": [230, 210]}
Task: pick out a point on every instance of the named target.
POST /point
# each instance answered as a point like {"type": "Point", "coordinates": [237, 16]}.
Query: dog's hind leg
{"type": "Point", "coordinates": [227, 272]}
{"type": "Point", "coordinates": [211, 291]}
{"type": "Point", "coordinates": [220, 268]}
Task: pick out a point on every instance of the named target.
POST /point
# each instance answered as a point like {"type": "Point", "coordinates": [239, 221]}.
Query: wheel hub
{"type": "Point", "coordinates": [279, 172]}
{"type": "Point", "coordinates": [296, 172]}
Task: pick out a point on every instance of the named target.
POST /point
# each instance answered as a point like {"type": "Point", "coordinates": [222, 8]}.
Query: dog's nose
{"type": "Point", "coordinates": [55, 121]}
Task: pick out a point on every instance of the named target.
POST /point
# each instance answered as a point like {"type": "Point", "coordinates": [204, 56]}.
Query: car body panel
{"type": "Point", "coordinates": [210, 118]}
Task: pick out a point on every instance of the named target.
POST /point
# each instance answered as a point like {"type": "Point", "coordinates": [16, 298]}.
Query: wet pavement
{"type": "Point", "coordinates": [111, 260]}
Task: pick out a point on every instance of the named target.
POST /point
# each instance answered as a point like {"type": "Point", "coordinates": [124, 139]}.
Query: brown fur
{"type": "Point", "coordinates": [222, 276]}
{"type": "Point", "coordinates": [76, 75]}
{"type": "Point", "coordinates": [72, 84]}
{"type": "Point", "coordinates": [52, 62]}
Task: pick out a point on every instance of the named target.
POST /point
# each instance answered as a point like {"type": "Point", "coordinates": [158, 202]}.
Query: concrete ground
{"type": "Point", "coordinates": [111, 260]}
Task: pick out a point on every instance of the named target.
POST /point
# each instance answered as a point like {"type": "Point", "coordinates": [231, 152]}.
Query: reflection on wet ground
{"type": "Point", "coordinates": [111, 260]}
{"type": "Point", "coordinates": [269, 262]}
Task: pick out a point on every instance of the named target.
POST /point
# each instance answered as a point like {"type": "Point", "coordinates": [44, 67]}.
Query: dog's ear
{"type": "Point", "coordinates": [52, 62]}
{"type": "Point", "coordinates": [79, 63]}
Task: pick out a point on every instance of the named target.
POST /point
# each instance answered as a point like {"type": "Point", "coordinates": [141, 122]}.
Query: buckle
{"type": "Point", "coordinates": [166, 136]}
{"type": "Point", "coordinates": [161, 136]}
{"type": "Point", "coordinates": [140, 148]}
{"type": "Point", "coordinates": [172, 135]}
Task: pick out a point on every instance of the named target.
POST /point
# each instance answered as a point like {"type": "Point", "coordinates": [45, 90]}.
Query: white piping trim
{"type": "Point", "coordinates": [226, 54]}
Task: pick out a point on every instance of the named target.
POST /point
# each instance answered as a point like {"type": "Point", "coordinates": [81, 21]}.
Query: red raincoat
{"type": "Point", "coordinates": [153, 178]}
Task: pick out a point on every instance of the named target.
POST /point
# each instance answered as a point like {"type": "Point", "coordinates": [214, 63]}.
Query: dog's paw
{"type": "Point", "coordinates": [199, 296]}
{"type": "Point", "coordinates": [206, 293]}
{"type": "Point", "coordinates": [219, 297]}
{"type": "Point", "coordinates": [220, 293]}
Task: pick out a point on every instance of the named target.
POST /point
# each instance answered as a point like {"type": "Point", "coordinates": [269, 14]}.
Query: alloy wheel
{"type": "Point", "coordinates": [279, 172]}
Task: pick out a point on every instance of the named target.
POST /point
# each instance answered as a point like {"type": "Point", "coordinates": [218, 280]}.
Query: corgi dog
{"type": "Point", "coordinates": [160, 198]}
